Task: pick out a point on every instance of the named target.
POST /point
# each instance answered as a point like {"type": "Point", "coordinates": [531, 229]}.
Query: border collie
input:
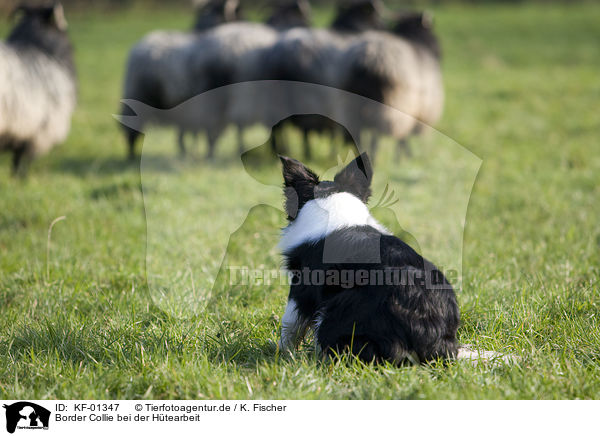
{"type": "Point", "coordinates": [360, 288]}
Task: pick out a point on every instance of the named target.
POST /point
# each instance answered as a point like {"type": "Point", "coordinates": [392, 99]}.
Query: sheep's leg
{"type": "Point", "coordinates": [274, 142]}
{"type": "Point", "coordinates": [211, 149]}
{"type": "Point", "coordinates": [212, 142]}
{"type": "Point", "coordinates": [281, 146]}
{"type": "Point", "coordinates": [240, 139]}
{"type": "Point", "coordinates": [333, 144]}
{"type": "Point", "coordinates": [402, 146]}
{"type": "Point", "coordinates": [181, 142]}
{"type": "Point", "coordinates": [195, 140]}
{"type": "Point", "coordinates": [333, 139]}
{"type": "Point", "coordinates": [277, 145]}
{"type": "Point", "coordinates": [131, 138]}
{"type": "Point", "coordinates": [306, 144]}
{"type": "Point", "coordinates": [21, 160]}
{"type": "Point", "coordinates": [374, 145]}
{"type": "Point", "coordinates": [348, 141]}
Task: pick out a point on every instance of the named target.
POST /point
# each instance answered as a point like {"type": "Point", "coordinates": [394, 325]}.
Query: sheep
{"type": "Point", "coordinates": [157, 67]}
{"type": "Point", "coordinates": [400, 70]}
{"type": "Point", "coordinates": [176, 67]}
{"type": "Point", "coordinates": [233, 53]}
{"type": "Point", "coordinates": [246, 106]}
{"type": "Point", "coordinates": [38, 89]}
{"type": "Point", "coordinates": [418, 28]}
{"type": "Point", "coordinates": [225, 56]}
{"type": "Point", "coordinates": [156, 75]}
{"type": "Point", "coordinates": [313, 56]}
{"type": "Point", "coordinates": [310, 56]}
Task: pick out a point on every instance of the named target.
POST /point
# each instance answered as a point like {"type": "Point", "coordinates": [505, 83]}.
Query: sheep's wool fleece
{"type": "Point", "coordinates": [37, 98]}
{"type": "Point", "coordinates": [160, 58]}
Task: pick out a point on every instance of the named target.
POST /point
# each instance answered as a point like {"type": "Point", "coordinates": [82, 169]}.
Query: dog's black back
{"type": "Point", "coordinates": [406, 307]}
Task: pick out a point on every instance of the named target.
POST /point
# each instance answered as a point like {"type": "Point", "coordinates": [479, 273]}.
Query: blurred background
{"type": "Point", "coordinates": [8, 5]}
{"type": "Point", "coordinates": [521, 93]}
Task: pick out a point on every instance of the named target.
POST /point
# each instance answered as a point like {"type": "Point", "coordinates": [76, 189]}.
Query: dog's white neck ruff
{"type": "Point", "coordinates": [322, 216]}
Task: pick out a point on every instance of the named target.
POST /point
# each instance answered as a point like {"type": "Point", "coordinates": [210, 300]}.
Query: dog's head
{"type": "Point", "coordinates": [302, 185]}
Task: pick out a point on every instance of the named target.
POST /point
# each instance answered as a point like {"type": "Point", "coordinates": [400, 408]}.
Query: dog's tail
{"type": "Point", "coordinates": [468, 353]}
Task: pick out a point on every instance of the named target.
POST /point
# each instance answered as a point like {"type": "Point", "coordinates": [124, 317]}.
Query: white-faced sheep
{"type": "Point", "coordinates": [399, 69]}
{"type": "Point", "coordinates": [157, 72]}
{"type": "Point", "coordinates": [37, 84]}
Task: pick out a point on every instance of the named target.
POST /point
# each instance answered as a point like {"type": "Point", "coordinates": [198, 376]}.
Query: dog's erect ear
{"type": "Point", "coordinates": [356, 177]}
{"type": "Point", "coordinates": [299, 183]}
{"type": "Point", "coordinates": [294, 173]}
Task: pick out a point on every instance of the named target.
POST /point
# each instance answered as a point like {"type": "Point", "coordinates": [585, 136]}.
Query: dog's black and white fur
{"type": "Point", "coordinates": [331, 230]}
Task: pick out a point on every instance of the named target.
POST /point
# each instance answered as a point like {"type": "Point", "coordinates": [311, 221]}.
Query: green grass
{"type": "Point", "coordinates": [87, 322]}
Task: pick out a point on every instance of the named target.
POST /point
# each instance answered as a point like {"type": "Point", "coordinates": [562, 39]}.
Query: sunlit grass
{"type": "Point", "coordinates": [522, 95]}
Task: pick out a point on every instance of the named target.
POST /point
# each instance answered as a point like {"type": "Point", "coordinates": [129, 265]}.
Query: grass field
{"type": "Point", "coordinates": [78, 320]}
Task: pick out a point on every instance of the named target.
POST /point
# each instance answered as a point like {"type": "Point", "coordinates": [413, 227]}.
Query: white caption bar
{"type": "Point", "coordinates": [282, 418]}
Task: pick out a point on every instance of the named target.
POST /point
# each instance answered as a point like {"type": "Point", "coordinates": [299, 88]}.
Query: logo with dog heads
{"type": "Point", "coordinates": [26, 415]}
